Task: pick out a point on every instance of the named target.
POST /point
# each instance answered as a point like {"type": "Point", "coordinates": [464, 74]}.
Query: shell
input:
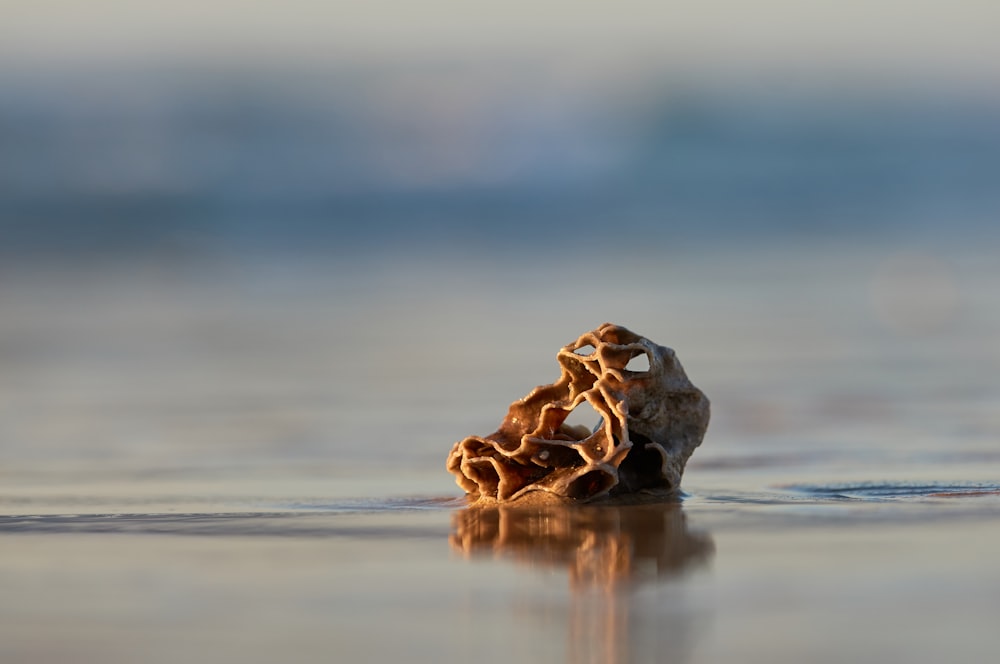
{"type": "Point", "coordinates": [651, 422]}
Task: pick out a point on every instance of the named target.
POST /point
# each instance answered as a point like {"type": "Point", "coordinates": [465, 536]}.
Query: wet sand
{"type": "Point", "coordinates": [220, 469]}
{"type": "Point", "coordinates": [774, 574]}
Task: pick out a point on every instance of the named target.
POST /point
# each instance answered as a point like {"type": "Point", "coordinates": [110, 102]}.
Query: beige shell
{"type": "Point", "coordinates": [651, 422]}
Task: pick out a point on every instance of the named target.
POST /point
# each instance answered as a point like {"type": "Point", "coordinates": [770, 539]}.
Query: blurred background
{"type": "Point", "coordinates": [242, 235]}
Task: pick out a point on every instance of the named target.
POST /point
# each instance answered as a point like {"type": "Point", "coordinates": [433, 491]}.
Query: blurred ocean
{"type": "Point", "coordinates": [350, 160]}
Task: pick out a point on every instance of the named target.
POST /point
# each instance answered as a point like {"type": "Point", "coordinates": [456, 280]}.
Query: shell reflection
{"type": "Point", "coordinates": [600, 545]}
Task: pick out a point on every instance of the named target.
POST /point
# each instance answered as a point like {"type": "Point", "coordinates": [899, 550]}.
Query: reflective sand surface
{"type": "Point", "coordinates": [774, 576]}
{"type": "Point", "coordinates": [211, 469]}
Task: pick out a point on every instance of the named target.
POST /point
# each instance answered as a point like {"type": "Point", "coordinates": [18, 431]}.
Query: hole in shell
{"type": "Point", "coordinates": [641, 468]}
{"type": "Point", "coordinates": [581, 421]}
{"type": "Point", "coordinates": [486, 476]}
{"type": "Point", "coordinates": [585, 350]}
{"type": "Point", "coordinates": [557, 456]}
{"type": "Point", "coordinates": [638, 364]}
{"type": "Point", "coordinates": [589, 484]}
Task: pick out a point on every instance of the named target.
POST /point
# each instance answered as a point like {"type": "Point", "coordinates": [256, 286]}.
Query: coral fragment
{"type": "Point", "coordinates": [651, 420]}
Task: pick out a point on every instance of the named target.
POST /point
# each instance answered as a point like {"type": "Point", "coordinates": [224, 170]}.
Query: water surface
{"type": "Point", "coordinates": [225, 464]}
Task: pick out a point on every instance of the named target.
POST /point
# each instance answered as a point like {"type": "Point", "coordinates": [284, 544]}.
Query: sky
{"type": "Point", "coordinates": [915, 40]}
